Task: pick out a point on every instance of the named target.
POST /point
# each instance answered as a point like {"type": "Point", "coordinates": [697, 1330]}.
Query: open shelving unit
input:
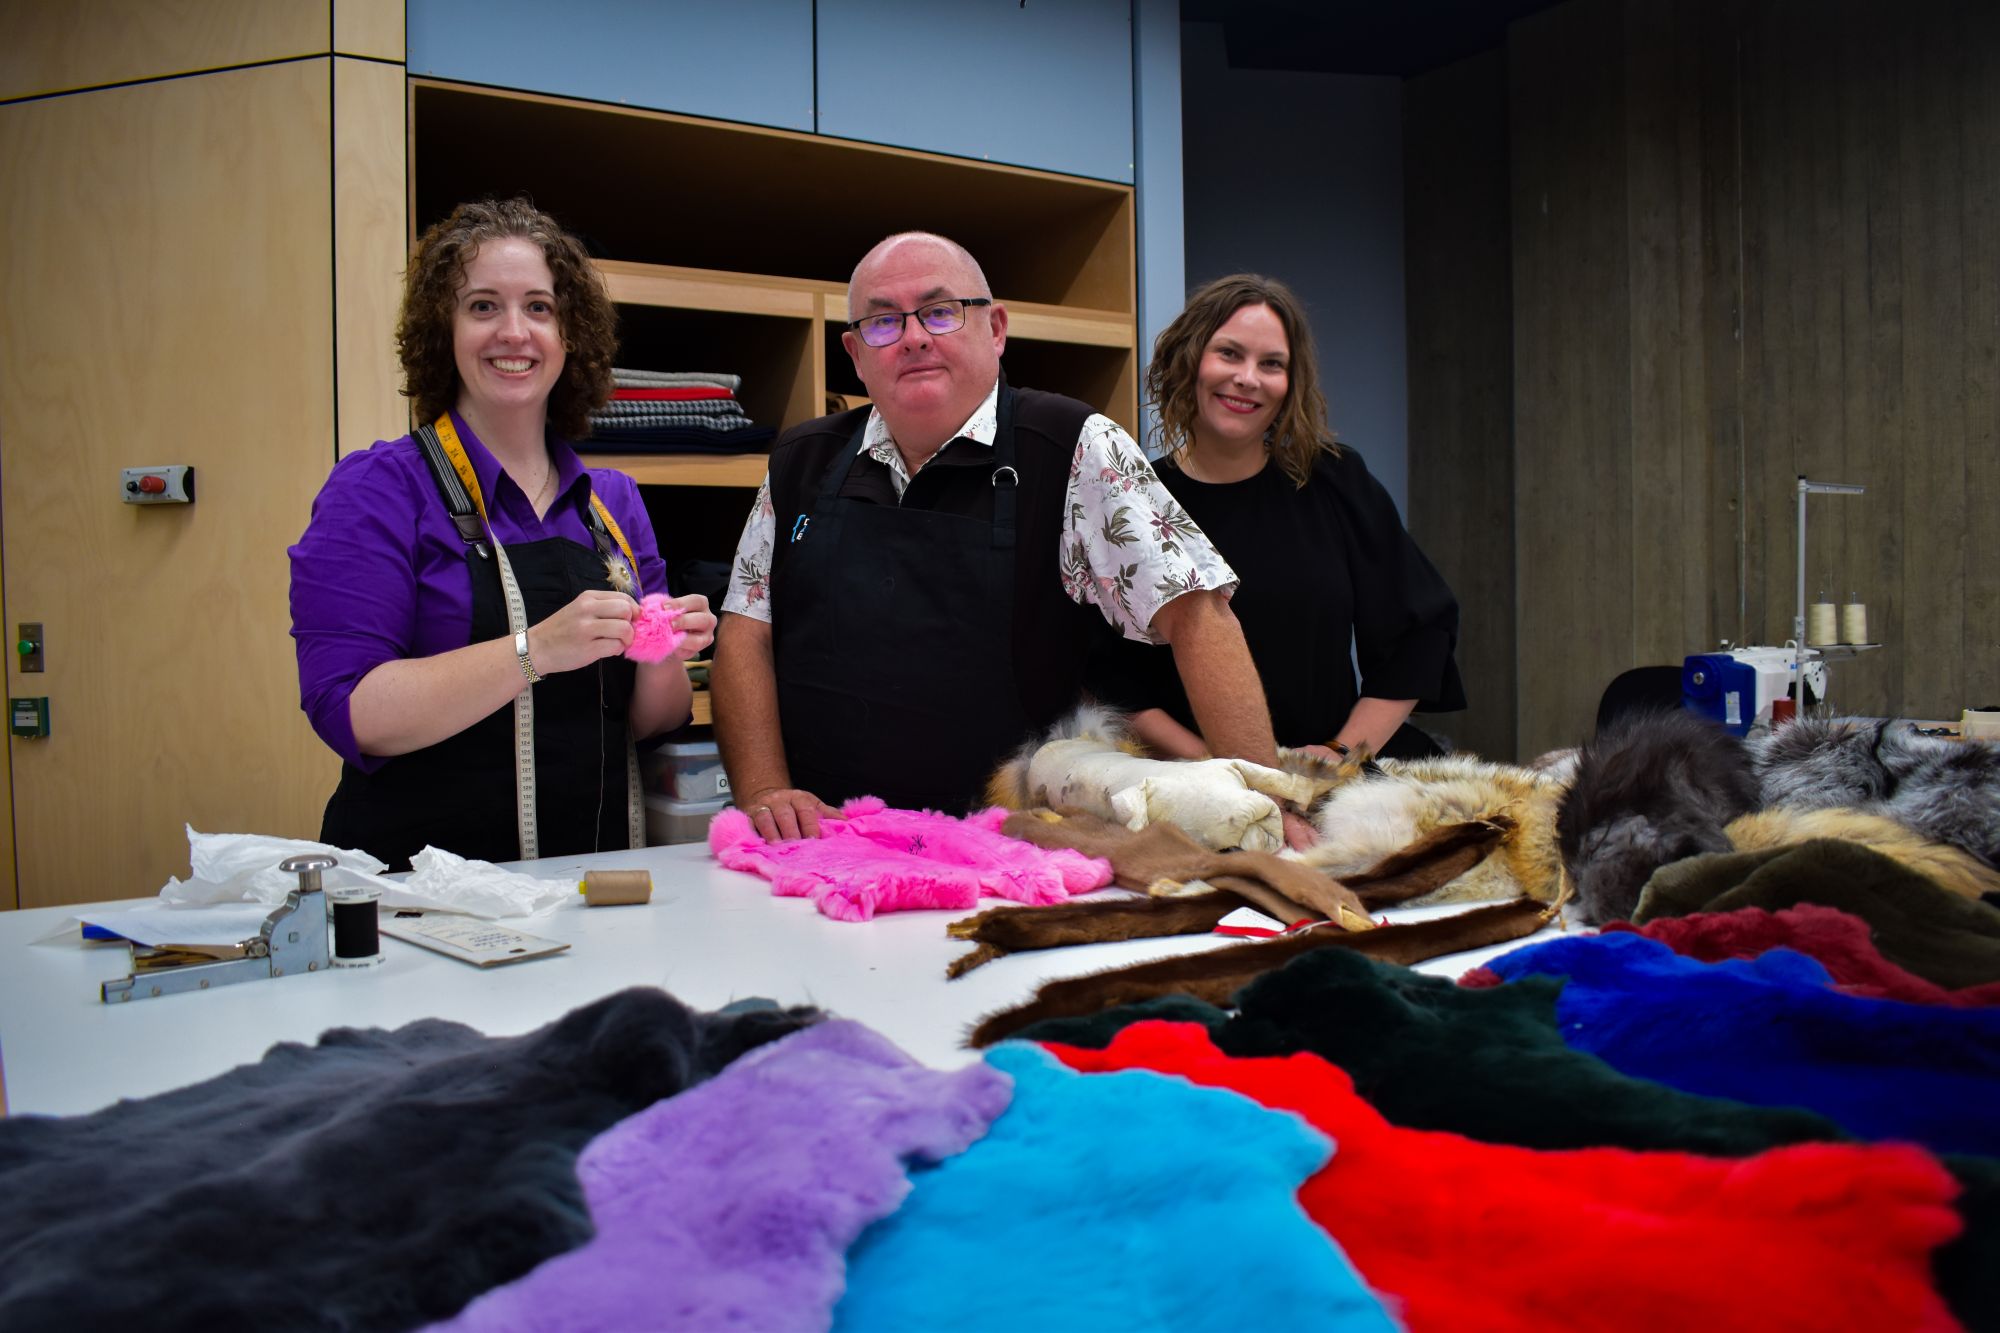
{"type": "Point", "coordinates": [728, 247]}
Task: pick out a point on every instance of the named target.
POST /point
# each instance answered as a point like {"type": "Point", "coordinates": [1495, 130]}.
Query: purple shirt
{"type": "Point", "coordinates": [380, 573]}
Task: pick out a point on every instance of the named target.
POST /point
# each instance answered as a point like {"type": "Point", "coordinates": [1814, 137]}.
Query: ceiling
{"type": "Point", "coordinates": [1394, 37]}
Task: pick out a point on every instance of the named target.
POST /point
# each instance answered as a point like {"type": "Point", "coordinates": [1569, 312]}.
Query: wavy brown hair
{"type": "Point", "coordinates": [584, 311]}
{"type": "Point", "coordinates": [1299, 431]}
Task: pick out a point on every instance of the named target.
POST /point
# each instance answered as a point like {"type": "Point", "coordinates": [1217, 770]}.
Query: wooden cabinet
{"type": "Point", "coordinates": [729, 247]}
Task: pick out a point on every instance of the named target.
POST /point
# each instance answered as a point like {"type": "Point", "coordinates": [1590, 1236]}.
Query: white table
{"type": "Point", "coordinates": [709, 936]}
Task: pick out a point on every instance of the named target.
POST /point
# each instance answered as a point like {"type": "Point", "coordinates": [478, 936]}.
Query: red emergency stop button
{"type": "Point", "coordinates": [152, 485]}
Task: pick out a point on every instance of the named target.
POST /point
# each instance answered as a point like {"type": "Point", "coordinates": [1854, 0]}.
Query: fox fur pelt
{"type": "Point", "coordinates": [1949, 791]}
{"type": "Point", "coordinates": [1364, 812]}
{"type": "Point", "coordinates": [1377, 810]}
{"type": "Point", "coordinates": [1089, 762]}
{"type": "Point", "coordinates": [1657, 790]}
{"type": "Point", "coordinates": [1948, 867]}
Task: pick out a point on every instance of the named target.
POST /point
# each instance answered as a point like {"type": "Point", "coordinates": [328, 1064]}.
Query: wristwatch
{"type": "Point", "coordinates": [521, 651]}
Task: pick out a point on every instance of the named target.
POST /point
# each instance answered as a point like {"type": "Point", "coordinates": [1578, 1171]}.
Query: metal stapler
{"type": "Point", "coordinates": [294, 938]}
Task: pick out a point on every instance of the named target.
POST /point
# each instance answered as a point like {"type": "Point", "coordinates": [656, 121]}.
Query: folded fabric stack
{"type": "Point", "coordinates": [674, 412]}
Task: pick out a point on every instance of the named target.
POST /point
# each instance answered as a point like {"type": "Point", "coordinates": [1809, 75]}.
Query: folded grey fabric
{"type": "Point", "coordinates": [627, 378]}
{"type": "Point", "coordinates": [375, 1180]}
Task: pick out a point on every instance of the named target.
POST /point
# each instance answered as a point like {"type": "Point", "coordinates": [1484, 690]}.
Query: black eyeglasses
{"type": "Point", "coordinates": [886, 328]}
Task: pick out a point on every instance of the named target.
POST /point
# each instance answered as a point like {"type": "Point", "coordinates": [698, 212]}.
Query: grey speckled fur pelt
{"type": "Point", "coordinates": [1662, 787]}
{"type": "Point", "coordinates": [374, 1181]}
{"type": "Point", "coordinates": [1949, 791]}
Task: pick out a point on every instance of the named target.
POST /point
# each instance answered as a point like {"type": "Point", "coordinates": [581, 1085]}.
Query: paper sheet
{"type": "Point", "coordinates": [226, 923]}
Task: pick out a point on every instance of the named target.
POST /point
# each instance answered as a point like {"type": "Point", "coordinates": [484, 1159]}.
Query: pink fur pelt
{"type": "Point", "coordinates": [874, 859]}
{"type": "Point", "coordinates": [654, 632]}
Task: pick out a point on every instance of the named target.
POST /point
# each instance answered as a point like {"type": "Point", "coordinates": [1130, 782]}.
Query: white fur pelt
{"type": "Point", "coordinates": [1088, 763]}
{"type": "Point", "coordinates": [1389, 805]}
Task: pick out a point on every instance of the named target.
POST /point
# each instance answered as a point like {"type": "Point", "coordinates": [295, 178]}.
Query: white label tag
{"type": "Point", "coordinates": [1732, 708]}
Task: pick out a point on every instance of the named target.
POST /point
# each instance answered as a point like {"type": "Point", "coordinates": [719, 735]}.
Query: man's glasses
{"type": "Point", "coordinates": [886, 328]}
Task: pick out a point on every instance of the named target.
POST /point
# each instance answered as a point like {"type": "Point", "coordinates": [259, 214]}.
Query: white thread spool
{"type": "Point", "coordinates": [1822, 624]}
{"type": "Point", "coordinates": [1854, 623]}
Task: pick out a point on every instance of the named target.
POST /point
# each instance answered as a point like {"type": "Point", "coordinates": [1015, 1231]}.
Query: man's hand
{"type": "Point", "coordinates": [781, 814]}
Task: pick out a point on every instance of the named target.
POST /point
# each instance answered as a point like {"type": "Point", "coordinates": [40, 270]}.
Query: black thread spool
{"type": "Point", "coordinates": [357, 941]}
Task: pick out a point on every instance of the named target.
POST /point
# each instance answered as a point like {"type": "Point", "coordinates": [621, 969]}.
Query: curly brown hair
{"type": "Point", "coordinates": [1299, 431]}
{"type": "Point", "coordinates": [430, 301]}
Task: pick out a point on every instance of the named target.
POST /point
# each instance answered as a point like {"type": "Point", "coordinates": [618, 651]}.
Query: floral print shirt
{"type": "Point", "coordinates": [1128, 548]}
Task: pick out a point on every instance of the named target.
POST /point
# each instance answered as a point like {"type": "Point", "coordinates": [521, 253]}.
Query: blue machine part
{"type": "Point", "coordinates": [1720, 688]}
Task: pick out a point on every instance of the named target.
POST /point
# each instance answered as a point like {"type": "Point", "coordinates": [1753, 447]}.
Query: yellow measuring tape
{"type": "Point", "coordinates": [517, 623]}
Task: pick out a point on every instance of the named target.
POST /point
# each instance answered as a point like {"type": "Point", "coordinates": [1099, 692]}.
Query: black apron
{"type": "Point", "coordinates": [893, 646]}
{"type": "Point", "coordinates": [459, 794]}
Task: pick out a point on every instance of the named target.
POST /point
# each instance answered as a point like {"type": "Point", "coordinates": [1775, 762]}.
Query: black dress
{"type": "Point", "coordinates": [1323, 569]}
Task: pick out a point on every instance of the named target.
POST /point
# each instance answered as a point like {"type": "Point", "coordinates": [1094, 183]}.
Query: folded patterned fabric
{"type": "Point", "coordinates": [1119, 1201]}
{"type": "Point", "coordinates": [625, 377]}
{"type": "Point", "coordinates": [1771, 1032]}
{"type": "Point", "coordinates": [733, 1204]}
{"type": "Point", "coordinates": [1940, 936]}
{"type": "Point", "coordinates": [376, 1180]}
{"type": "Point", "coordinates": [1490, 1064]}
{"type": "Point", "coordinates": [872, 859]}
{"type": "Point", "coordinates": [1457, 1234]}
{"type": "Point", "coordinates": [670, 410]}
{"type": "Point", "coordinates": [1839, 941]}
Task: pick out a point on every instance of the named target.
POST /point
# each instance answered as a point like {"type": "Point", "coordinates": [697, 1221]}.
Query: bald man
{"type": "Point", "coordinates": [920, 582]}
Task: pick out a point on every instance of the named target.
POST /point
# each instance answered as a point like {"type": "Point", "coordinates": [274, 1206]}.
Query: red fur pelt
{"type": "Point", "coordinates": [1465, 1235]}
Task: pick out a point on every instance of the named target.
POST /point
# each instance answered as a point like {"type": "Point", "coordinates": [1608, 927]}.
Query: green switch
{"type": "Point", "coordinates": [31, 716]}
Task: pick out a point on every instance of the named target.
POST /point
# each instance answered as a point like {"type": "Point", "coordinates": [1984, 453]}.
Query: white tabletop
{"type": "Point", "coordinates": [709, 936]}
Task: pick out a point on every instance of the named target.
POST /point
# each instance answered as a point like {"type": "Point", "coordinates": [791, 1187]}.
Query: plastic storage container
{"type": "Point", "coordinates": [686, 771]}
{"type": "Point", "coordinates": [669, 821]}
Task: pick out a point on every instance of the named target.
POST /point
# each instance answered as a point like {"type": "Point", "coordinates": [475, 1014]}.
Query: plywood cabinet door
{"type": "Point", "coordinates": [164, 298]}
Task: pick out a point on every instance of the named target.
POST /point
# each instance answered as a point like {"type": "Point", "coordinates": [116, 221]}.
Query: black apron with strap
{"type": "Point", "coordinates": [893, 645]}
{"type": "Point", "coordinates": [459, 794]}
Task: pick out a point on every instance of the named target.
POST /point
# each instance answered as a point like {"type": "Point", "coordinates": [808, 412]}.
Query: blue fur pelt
{"type": "Point", "coordinates": [1949, 791]}
{"type": "Point", "coordinates": [376, 1180]}
{"type": "Point", "coordinates": [1773, 1032]}
{"type": "Point", "coordinates": [1662, 787]}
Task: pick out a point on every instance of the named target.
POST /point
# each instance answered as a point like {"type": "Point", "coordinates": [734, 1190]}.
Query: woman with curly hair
{"type": "Point", "coordinates": [1329, 575]}
{"type": "Point", "coordinates": [463, 595]}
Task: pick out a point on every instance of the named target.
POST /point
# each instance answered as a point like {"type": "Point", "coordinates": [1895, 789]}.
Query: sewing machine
{"type": "Point", "coordinates": [296, 937]}
{"type": "Point", "coordinates": [1737, 686]}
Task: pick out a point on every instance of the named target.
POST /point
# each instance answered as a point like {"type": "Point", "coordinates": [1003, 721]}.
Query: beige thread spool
{"type": "Point", "coordinates": [1822, 623]}
{"type": "Point", "coordinates": [1854, 620]}
{"type": "Point", "coordinates": [617, 888]}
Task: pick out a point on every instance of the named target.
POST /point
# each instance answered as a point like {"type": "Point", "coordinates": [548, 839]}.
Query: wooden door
{"type": "Point", "coordinates": [165, 297]}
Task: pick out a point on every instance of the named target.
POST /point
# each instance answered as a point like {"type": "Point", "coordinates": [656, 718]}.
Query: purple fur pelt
{"type": "Point", "coordinates": [732, 1206]}
{"type": "Point", "coordinates": [1949, 791]}
{"type": "Point", "coordinates": [1662, 787]}
{"type": "Point", "coordinates": [377, 1180]}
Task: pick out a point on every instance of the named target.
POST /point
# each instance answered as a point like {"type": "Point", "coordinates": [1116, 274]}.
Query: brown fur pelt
{"type": "Point", "coordinates": [1217, 975]}
{"type": "Point", "coordinates": [1948, 867]}
{"type": "Point", "coordinates": [1408, 874]}
{"type": "Point", "coordinates": [1395, 803]}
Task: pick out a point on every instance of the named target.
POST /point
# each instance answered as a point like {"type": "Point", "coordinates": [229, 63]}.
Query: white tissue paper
{"type": "Point", "coordinates": [243, 867]}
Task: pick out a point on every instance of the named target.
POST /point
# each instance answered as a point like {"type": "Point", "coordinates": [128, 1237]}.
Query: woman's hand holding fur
{"type": "Point", "coordinates": [781, 814]}
{"type": "Point", "coordinates": [594, 626]}
{"type": "Point", "coordinates": [695, 621]}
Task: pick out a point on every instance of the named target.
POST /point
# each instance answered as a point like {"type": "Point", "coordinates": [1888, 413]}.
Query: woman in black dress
{"type": "Point", "coordinates": [1330, 577]}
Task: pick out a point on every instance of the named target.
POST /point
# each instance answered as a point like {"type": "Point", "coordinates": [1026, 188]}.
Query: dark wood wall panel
{"type": "Point", "coordinates": [1461, 453]}
{"type": "Point", "coordinates": [1572, 369]}
{"type": "Point", "coordinates": [1750, 239]}
{"type": "Point", "coordinates": [1980, 91]}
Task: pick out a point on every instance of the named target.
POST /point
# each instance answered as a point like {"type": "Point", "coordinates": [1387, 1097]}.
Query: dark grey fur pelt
{"type": "Point", "coordinates": [1661, 787]}
{"type": "Point", "coordinates": [1949, 791]}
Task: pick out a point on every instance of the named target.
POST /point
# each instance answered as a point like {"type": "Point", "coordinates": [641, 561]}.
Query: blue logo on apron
{"type": "Point", "coordinates": [799, 528]}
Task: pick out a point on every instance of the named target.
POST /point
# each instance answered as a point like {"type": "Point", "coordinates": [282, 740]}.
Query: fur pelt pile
{"type": "Point", "coordinates": [1363, 811]}
{"type": "Point", "coordinates": [1949, 791]}
{"type": "Point", "coordinates": [1669, 786]}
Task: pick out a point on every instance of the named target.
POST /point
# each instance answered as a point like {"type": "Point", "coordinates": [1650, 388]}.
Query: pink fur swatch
{"type": "Point", "coordinates": [874, 859]}
{"type": "Point", "coordinates": [654, 636]}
